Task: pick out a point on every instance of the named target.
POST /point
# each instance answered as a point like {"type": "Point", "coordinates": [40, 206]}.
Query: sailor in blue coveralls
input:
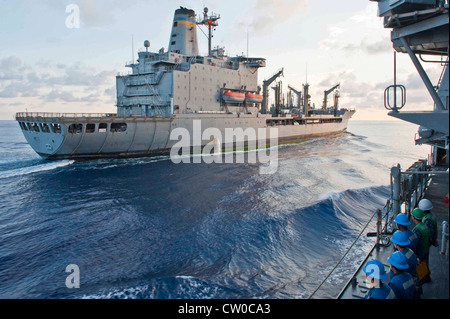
{"type": "Point", "coordinates": [403, 222]}
{"type": "Point", "coordinates": [401, 243]}
{"type": "Point", "coordinates": [375, 273]}
{"type": "Point", "coordinates": [402, 283]}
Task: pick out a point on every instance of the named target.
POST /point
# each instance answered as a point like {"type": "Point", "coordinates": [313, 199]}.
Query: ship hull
{"type": "Point", "coordinates": [91, 137]}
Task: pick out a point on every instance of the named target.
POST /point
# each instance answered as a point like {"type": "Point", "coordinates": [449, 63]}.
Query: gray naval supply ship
{"type": "Point", "coordinates": [169, 90]}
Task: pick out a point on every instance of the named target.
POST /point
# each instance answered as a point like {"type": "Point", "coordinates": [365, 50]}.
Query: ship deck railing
{"type": "Point", "coordinates": [31, 116]}
{"type": "Point", "coordinates": [410, 187]}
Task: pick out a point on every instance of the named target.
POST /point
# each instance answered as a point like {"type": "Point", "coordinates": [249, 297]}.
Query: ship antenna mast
{"type": "Point", "coordinates": [211, 22]}
{"type": "Point", "coordinates": [306, 72]}
{"type": "Point", "coordinates": [132, 49]}
{"type": "Point", "coordinates": [247, 43]}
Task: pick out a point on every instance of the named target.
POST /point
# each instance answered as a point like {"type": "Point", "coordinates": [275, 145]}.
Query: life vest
{"type": "Point", "coordinates": [423, 246]}
{"type": "Point", "coordinates": [431, 222]}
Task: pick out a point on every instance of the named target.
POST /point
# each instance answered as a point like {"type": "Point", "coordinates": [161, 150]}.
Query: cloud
{"type": "Point", "coordinates": [367, 37]}
{"type": "Point", "coordinates": [351, 86]}
{"type": "Point", "coordinates": [266, 14]}
{"type": "Point", "coordinates": [368, 45]}
{"type": "Point", "coordinates": [78, 75]}
{"type": "Point", "coordinates": [111, 93]}
{"type": "Point", "coordinates": [9, 64]}
{"type": "Point", "coordinates": [11, 68]}
{"type": "Point", "coordinates": [9, 92]}
{"type": "Point", "coordinates": [335, 31]}
{"type": "Point", "coordinates": [15, 89]}
{"type": "Point", "coordinates": [69, 97]}
{"type": "Point", "coordinates": [53, 82]}
{"type": "Point", "coordinates": [370, 95]}
{"type": "Point", "coordinates": [60, 95]}
{"type": "Point", "coordinates": [413, 80]}
{"type": "Point", "coordinates": [95, 14]}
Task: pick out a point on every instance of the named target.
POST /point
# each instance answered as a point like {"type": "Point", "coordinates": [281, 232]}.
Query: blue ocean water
{"type": "Point", "coordinates": [149, 228]}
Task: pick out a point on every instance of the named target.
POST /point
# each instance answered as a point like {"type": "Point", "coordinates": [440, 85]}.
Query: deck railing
{"type": "Point", "coordinates": [407, 189]}
{"type": "Point", "coordinates": [46, 115]}
{"type": "Point", "coordinates": [63, 115]}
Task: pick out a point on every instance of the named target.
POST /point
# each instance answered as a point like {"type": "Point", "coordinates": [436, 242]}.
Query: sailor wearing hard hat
{"type": "Point", "coordinates": [423, 233]}
{"type": "Point", "coordinates": [375, 273]}
{"type": "Point", "coordinates": [402, 283]}
{"type": "Point", "coordinates": [429, 220]}
{"type": "Point", "coordinates": [403, 222]}
{"type": "Point", "coordinates": [401, 243]}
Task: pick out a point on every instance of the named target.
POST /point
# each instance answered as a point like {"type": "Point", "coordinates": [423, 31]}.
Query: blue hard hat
{"type": "Point", "coordinates": [402, 219]}
{"type": "Point", "coordinates": [375, 269]}
{"type": "Point", "coordinates": [400, 238]}
{"type": "Point", "coordinates": [398, 260]}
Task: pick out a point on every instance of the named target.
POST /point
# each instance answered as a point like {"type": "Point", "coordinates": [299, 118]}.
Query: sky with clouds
{"type": "Point", "coordinates": [47, 67]}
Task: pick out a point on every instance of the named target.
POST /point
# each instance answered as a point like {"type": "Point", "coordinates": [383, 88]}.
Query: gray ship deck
{"type": "Point", "coordinates": [438, 288]}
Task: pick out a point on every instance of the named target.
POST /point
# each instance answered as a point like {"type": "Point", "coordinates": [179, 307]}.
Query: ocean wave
{"type": "Point", "coordinates": [104, 164]}
{"type": "Point", "coordinates": [356, 136]}
{"type": "Point", "coordinates": [18, 160]}
{"type": "Point", "coordinates": [138, 292]}
{"type": "Point", "coordinates": [35, 169]}
{"type": "Point", "coordinates": [364, 191]}
{"type": "Point", "coordinates": [163, 231]}
{"type": "Point", "coordinates": [340, 274]}
{"type": "Point", "coordinates": [178, 287]}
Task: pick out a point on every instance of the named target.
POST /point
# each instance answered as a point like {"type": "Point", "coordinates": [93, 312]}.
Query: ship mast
{"type": "Point", "coordinates": [210, 22]}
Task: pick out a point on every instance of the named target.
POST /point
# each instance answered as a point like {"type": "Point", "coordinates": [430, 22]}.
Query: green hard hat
{"type": "Point", "coordinates": [417, 213]}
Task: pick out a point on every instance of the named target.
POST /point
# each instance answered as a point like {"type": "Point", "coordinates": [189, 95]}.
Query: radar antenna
{"type": "Point", "coordinates": [210, 22]}
{"type": "Point", "coordinates": [146, 45]}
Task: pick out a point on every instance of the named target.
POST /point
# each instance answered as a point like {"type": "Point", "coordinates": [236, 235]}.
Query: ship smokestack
{"type": "Point", "coordinates": [183, 38]}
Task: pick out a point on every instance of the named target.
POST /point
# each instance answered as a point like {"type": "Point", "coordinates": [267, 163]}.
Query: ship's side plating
{"type": "Point", "coordinates": [105, 136]}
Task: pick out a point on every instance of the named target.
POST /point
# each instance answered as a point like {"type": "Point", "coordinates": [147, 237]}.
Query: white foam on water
{"type": "Point", "coordinates": [333, 195]}
{"type": "Point", "coordinates": [17, 160]}
{"type": "Point", "coordinates": [35, 169]}
{"type": "Point", "coordinates": [336, 195]}
{"type": "Point", "coordinates": [185, 286]}
{"type": "Point", "coordinates": [120, 293]}
{"type": "Point", "coordinates": [184, 277]}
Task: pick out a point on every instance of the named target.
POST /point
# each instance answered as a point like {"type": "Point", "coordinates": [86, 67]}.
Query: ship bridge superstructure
{"type": "Point", "coordinates": [180, 81]}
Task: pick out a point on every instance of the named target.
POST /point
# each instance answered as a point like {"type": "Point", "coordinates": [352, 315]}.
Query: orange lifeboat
{"type": "Point", "coordinates": [253, 98]}
{"type": "Point", "coordinates": [230, 96]}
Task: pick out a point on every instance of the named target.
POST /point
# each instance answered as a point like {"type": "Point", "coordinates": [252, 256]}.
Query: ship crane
{"type": "Point", "coordinates": [337, 95]}
{"type": "Point", "coordinates": [289, 100]}
{"type": "Point", "coordinates": [266, 84]}
{"type": "Point", "coordinates": [299, 95]}
{"type": "Point", "coordinates": [325, 96]}
{"type": "Point", "coordinates": [278, 98]}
